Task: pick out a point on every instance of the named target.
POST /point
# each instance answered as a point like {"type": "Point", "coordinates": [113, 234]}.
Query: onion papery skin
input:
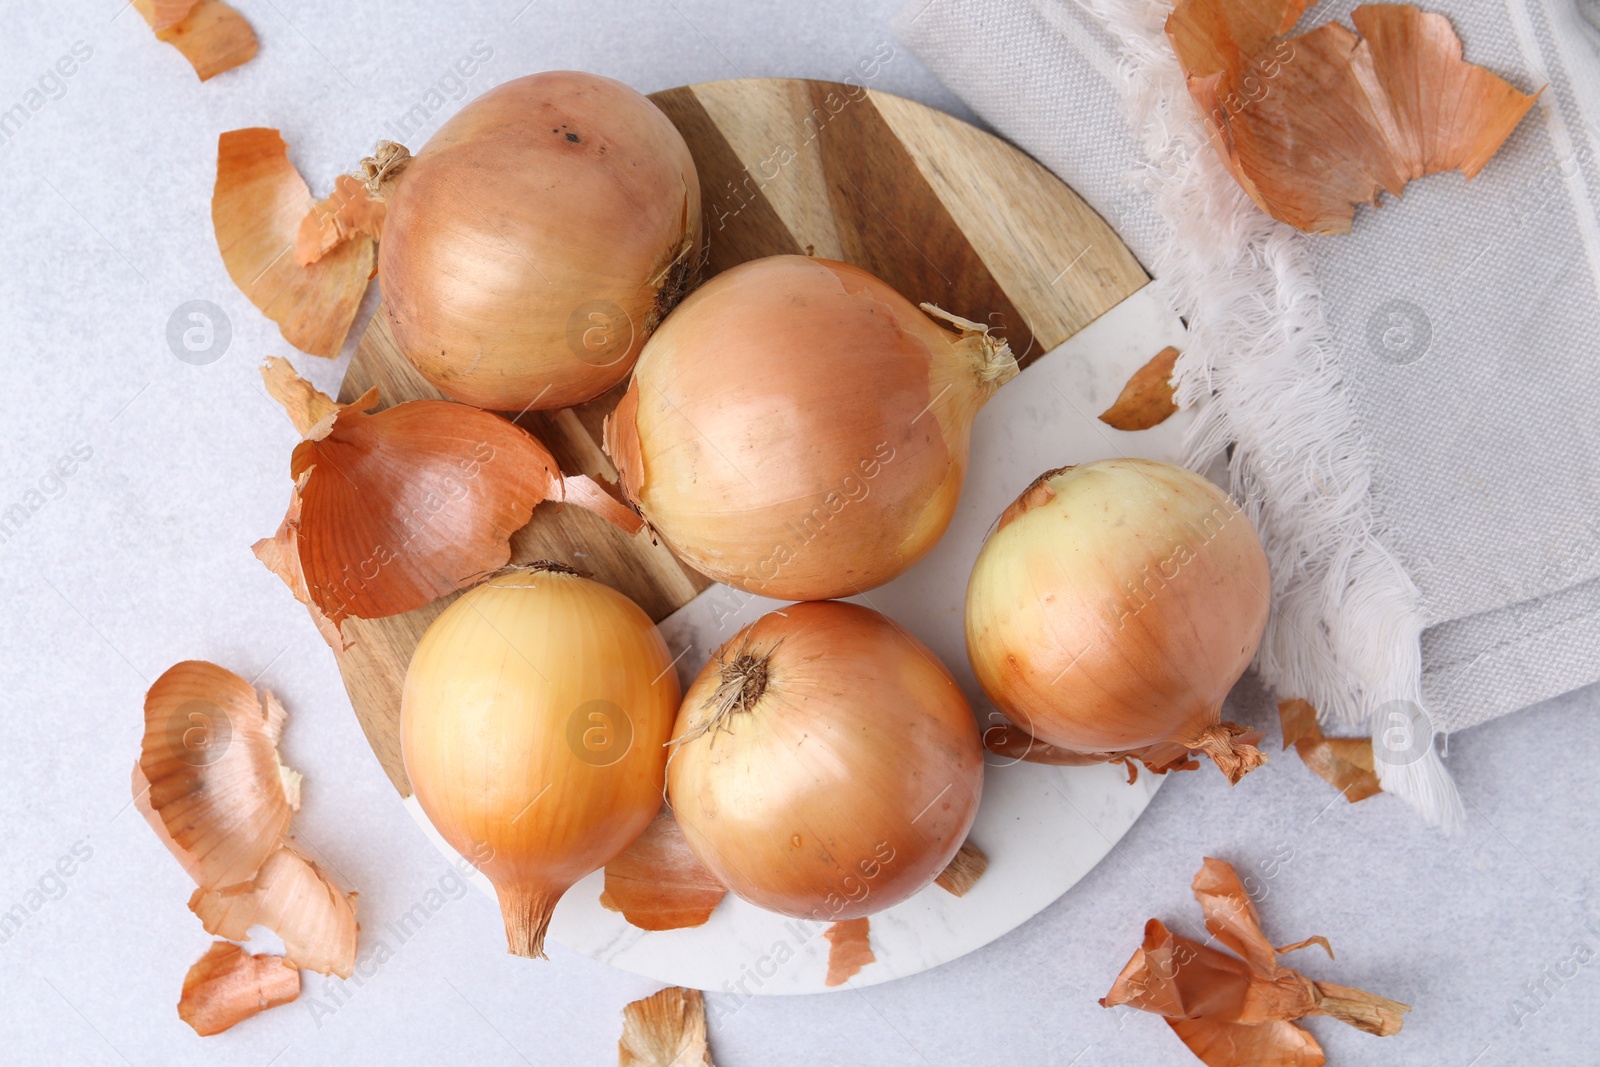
{"type": "Point", "coordinates": [799, 429]}
{"type": "Point", "coordinates": [1115, 605]}
{"type": "Point", "coordinates": [847, 785]}
{"type": "Point", "coordinates": [515, 704]}
{"type": "Point", "coordinates": [536, 240]}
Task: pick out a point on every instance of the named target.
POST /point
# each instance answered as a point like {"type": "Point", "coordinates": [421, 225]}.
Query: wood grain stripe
{"type": "Point", "coordinates": [1057, 258]}
{"type": "Point", "coordinates": [739, 222]}
{"type": "Point", "coordinates": [892, 223]}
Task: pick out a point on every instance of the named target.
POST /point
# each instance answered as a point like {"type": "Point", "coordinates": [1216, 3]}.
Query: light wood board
{"type": "Point", "coordinates": [944, 212]}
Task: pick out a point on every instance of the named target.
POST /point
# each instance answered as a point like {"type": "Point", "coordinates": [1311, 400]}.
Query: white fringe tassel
{"type": "Point", "coordinates": [1346, 622]}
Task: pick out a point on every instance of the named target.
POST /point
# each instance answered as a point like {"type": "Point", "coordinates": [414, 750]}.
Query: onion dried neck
{"type": "Point", "coordinates": [526, 911]}
{"type": "Point", "coordinates": [675, 281]}
{"type": "Point", "coordinates": [992, 361]}
{"type": "Point", "coordinates": [1233, 754]}
{"type": "Point", "coordinates": [388, 159]}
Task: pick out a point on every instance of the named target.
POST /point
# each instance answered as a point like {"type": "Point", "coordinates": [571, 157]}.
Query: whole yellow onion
{"type": "Point", "coordinates": [533, 723]}
{"type": "Point", "coordinates": [537, 239]}
{"type": "Point", "coordinates": [799, 429]}
{"type": "Point", "coordinates": [1113, 608]}
{"type": "Point", "coordinates": [825, 763]}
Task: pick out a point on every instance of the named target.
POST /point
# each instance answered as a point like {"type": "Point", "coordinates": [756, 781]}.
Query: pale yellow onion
{"type": "Point", "coordinates": [533, 723]}
{"type": "Point", "coordinates": [799, 429]}
{"type": "Point", "coordinates": [1113, 608]}
{"type": "Point", "coordinates": [535, 241]}
{"type": "Point", "coordinates": [825, 765]}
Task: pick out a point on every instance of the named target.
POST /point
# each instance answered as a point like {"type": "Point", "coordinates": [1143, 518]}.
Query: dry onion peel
{"type": "Point", "coordinates": [849, 950]}
{"type": "Point", "coordinates": [538, 238]}
{"type": "Point", "coordinates": [212, 36]}
{"type": "Point", "coordinates": [1113, 646]}
{"type": "Point", "coordinates": [963, 872]}
{"type": "Point", "coordinates": [533, 722]}
{"type": "Point", "coordinates": [210, 759]}
{"type": "Point", "coordinates": [164, 14]}
{"type": "Point", "coordinates": [658, 884]}
{"type": "Point", "coordinates": [1313, 125]}
{"type": "Point", "coordinates": [292, 897]}
{"type": "Point", "coordinates": [256, 210]}
{"type": "Point", "coordinates": [1146, 400]}
{"type": "Point", "coordinates": [358, 205]}
{"type": "Point", "coordinates": [393, 509]}
{"type": "Point", "coordinates": [1270, 1044]}
{"type": "Point", "coordinates": [305, 405]}
{"type": "Point", "coordinates": [665, 1029]}
{"type": "Point", "coordinates": [799, 429]}
{"type": "Point", "coordinates": [1012, 742]}
{"type": "Point", "coordinates": [825, 764]}
{"type": "Point", "coordinates": [228, 985]}
{"type": "Point", "coordinates": [1345, 763]}
{"type": "Point", "coordinates": [349, 210]}
{"type": "Point", "coordinates": [1234, 1012]}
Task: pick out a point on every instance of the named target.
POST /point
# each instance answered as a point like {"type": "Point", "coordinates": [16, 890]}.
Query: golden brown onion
{"type": "Point", "coordinates": [799, 429]}
{"type": "Point", "coordinates": [1114, 607]}
{"type": "Point", "coordinates": [825, 764]}
{"type": "Point", "coordinates": [533, 724]}
{"type": "Point", "coordinates": [537, 240]}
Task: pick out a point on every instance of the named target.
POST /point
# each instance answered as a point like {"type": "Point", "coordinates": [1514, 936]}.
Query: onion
{"type": "Point", "coordinates": [798, 429]}
{"type": "Point", "coordinates": [1114, 607]}
{"type": "Point", "coordinates": [537, 239]}
{"type": "Point", "coordinates": [532, 723]}
{"type": "Point", "coordinates": [825, 764]}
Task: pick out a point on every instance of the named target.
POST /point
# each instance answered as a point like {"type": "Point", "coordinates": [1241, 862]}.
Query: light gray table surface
{"type": "Point", "coordinates": [140, 557]}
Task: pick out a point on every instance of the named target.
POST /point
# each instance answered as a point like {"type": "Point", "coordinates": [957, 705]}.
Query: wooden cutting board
{"type": "Point", "coordinates": [941, 210]}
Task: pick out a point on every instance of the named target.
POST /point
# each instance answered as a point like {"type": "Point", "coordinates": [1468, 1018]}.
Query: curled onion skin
{"type": "Point", "coordinates": [1113, 608]}
{"type": "Point", "coordinates": [533, 723]}
{"type": "Point", "coordinates": [847, 779]}
{"type": "Point", "coordinates": [799, 429]}
{"type": "Point", "coordinates": [537, 239]}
